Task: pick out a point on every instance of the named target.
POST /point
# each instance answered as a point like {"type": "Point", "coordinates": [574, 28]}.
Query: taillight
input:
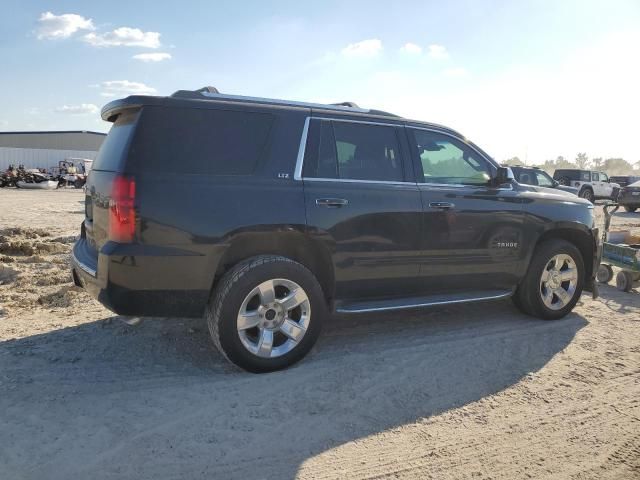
{"type": "Point", "coordinates": [122, 214]}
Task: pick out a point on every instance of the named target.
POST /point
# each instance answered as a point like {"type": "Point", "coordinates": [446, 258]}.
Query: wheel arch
{"type": "Point", "coordinates": [574, 234]}
{"type": "Point", "coordinates": [287, 242]}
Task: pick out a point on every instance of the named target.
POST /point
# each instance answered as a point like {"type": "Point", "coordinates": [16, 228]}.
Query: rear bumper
{"type": "Point", "coordinates": [133, 281]}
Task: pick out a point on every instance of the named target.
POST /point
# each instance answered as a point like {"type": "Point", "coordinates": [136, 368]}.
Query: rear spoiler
{"type": "Point", "coordinates": [112, 109]}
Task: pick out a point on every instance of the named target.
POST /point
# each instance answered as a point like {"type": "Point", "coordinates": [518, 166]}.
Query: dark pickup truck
{"type": "Point", "coordinates": [265, 216]}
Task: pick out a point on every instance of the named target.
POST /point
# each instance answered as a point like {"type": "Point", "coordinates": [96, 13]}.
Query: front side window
{"type": "Point", "coordinates": [445, 160]}
{"type": "Point", "coordinates": [604, 177]}
{"type": "Point", "coordinates": [595, 177]}
{"type": "Point", "coordinates": [544, 180]}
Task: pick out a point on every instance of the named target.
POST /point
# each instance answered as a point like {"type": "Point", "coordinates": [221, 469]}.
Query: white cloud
{"type": "Point", "coordinates": [61, 26]}
{"type": "Point", "coordinates": [438, 52]}
{"type": "Point", "coordinates": [81, 109]}
{"type": "Point", "coordinates": [456, 72]}
{"type": "Point", "coordinates": [411, 48]}
{"type": "Point", "coordinates": [152, 57]}
{"type": "Point", "coordinates": [112, 88]}
{"type": "Point", "coordinates": [365, 48]}
{"type": "Point", "coordinates": [124, 37]}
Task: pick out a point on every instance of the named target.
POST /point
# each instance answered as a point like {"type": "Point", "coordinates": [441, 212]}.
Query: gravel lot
{"type": "Point", "coordinates": [459, 392]}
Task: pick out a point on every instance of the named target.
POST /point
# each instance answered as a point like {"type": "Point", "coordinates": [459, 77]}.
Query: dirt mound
{"type": "Point", "coordinates": [24, 232]}
{"type": "Point", "coordinates": [61, 299]}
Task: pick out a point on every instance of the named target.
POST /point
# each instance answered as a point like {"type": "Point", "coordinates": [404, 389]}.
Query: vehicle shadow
{"type": "Point", "coordinates": [106, 400]}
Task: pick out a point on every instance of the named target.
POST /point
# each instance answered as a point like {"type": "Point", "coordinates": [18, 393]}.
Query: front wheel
{"type": "Point", "coordinates": [630, 209]}
{"type": "Point", "coordinates": [587, 194]}
{"type": "Point", "coordinates": [553, 284]}
{"type": "Point", "coordinates": [266, 313]}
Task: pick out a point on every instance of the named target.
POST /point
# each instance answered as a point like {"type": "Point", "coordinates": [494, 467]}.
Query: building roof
{"type": "Point", "coordinates": [81, 140]}
{"type": "Point", "coordinates": [51, 131]}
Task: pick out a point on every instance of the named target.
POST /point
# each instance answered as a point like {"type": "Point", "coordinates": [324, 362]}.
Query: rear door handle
{"type": "Point", "coordinates": [331, 202]}
{"type": "Point", "coordinates": [441, 205]}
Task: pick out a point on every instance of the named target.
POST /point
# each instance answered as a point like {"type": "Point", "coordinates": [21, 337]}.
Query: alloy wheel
{"type": "Point", "coordinates": [273, 318]}
{"type": "Point", "coordinates": [558, 281]}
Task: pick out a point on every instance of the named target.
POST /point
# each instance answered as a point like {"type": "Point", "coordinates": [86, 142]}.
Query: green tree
{"type": "Point", "coordinates": [511, 162]}
{"type": "Point", "coordinates": [582, 160]}
{"type": "Point", "coordinates": [617, 166]}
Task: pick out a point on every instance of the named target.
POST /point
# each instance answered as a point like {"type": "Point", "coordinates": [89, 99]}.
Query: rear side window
{"type": "Point", "coordinates": [200, 141]}
{"type": "Point", "coordinates": [353, 151]}
{"type": "Point", "coordinates": [112, 151]}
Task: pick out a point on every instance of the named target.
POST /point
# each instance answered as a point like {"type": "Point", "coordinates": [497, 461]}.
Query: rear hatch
{"type": "Point", "coordinates": [107, 179]}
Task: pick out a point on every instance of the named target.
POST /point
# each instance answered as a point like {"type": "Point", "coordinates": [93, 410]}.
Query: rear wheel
{"type": "Point", "coordinates": [629, 208]}
{"type": "Point", "coordinates": [266, 313]}
{"type": "Point", "coordinates": [554, 281]}
{"type": "Point", "coordinates": [587, 194]}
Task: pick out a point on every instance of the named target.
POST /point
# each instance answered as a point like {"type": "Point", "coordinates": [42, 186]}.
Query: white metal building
{"type": "Point", "coordinates": [46, 149]}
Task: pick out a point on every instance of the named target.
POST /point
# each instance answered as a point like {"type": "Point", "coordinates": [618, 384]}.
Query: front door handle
{"type": "Point", "coordinates": [331, 202]}
{"type": "Point", "coordinates": [441, 205]}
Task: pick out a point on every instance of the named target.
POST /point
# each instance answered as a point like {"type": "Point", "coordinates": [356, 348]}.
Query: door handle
{"type": "Point", "coordinates": [441, 205]}
{"type": "Point", "coordinates": [331, 202]}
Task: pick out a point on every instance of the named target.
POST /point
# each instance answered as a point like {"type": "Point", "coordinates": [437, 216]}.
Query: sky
{"type": "Point", "coordinates": [529, 78]}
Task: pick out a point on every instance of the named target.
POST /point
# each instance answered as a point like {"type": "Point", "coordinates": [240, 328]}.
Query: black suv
{"type": "Point", "coordinates": [265, 216]}
{"type": "Point", "coordinates": [539, 178]}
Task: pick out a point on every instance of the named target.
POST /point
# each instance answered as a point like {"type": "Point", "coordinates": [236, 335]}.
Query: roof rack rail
{"type": "Point", "coordinates": [214, 93]}
{"type": "Point", "coordinates": [345, 104]}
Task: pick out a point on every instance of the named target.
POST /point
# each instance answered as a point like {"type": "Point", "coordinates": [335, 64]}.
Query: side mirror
{"type": "Point", "coordinates": [503, 175]}
{"type": "Point", "coordinates": [555, 183]}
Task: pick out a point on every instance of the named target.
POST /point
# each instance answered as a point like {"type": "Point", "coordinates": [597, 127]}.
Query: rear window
{"type": "Point", "coordinates": [200, 141]}
{"type": "Point", "coordinates": [112, 151]}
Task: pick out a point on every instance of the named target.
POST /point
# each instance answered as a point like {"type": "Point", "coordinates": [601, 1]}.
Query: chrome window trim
{"type": "Point", "coordinates": [353, 180]}
{"type": "Point", "coordinates": [297, 173]}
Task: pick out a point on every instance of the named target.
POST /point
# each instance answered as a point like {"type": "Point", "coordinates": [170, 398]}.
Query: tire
{"type": "Point", "coordinates": [605, 273]}
{"type": "Point", "coordinates": [630, 209]}
{"type": "Point", "coordinates": [78, 183]}
{"type": "Point", "coordinates": [529, 296]}
{"type": "Point", "coordinates": [234, 295]}
{"type": "Point", "coordinates": [587, 194]}
{"type": "Point", "coordinates": [624, 281]}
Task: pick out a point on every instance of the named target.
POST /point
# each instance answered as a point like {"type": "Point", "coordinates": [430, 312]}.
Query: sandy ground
{"type": "Point", "coordinates": [460, 392]}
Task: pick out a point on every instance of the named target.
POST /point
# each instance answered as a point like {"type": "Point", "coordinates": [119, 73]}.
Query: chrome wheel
{"type": "Point", "coordinates": [273, 318]}
{"type": "Point", "coordinates": [558, 281]}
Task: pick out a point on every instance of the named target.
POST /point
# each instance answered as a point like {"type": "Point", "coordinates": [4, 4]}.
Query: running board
{"type": "Point", "coordinates": [417, 302]}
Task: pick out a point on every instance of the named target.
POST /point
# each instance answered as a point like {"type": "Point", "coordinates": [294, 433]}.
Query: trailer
{"type": "Point", "coordinates": [620, 249]}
